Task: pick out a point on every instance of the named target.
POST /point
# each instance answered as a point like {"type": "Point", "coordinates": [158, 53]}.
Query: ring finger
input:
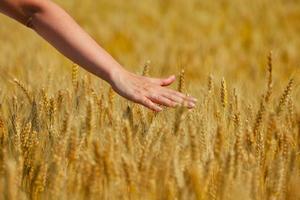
{"type": "Point", "coordinates": [162, 100]}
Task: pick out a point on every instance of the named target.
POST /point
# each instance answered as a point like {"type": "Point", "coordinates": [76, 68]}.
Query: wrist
{"type": "Point", "coordinates": [114, 73]}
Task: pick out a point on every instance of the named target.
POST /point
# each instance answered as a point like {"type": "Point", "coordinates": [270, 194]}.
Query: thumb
{"type": "Point", "coordinates": [168, 81]}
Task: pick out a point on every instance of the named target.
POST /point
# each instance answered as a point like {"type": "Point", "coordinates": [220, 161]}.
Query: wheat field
{"type": "Point", "coordinates": [65, 134]}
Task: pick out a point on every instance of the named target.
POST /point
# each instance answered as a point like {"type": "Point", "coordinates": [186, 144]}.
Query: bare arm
{"type": "Point", "coordinates": [57, 27]}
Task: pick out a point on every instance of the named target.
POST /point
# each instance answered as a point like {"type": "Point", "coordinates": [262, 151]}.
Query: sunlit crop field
{"type": "Point", "coordinates": [65, 134]}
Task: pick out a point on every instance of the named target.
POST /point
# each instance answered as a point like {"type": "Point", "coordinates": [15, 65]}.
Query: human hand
{"type": "Point", "coordinates": [149, 92]}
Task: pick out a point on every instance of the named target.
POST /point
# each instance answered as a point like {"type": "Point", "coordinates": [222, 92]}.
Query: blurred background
{"type": "Point", "coordinates": [228, 39]}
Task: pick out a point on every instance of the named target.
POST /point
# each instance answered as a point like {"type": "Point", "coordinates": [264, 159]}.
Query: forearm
{"type": "Point", "coordinates": [60, 30]}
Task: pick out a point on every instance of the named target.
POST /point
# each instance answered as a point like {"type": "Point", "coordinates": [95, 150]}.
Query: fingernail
{"type": "Point", "coordinates": [194, 99]}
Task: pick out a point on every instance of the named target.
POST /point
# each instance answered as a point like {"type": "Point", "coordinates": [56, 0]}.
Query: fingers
{"type": "Point", "coordinates": [149, 104]}
{"type": "Point", "coordinates": [168, 81]}
{"type": "Point", "coordinates": [163, 82]}
{"type": "Point", "coordinates": [155, 94]}
{"type": "Point", "coordinates": [159, 99]}
{"type": "Point", "coordinates": [174, 98]}
{"type": "Point", "coordinates": [180, 101]}
{"type": "Point", "coordinates": [169, 99]}
{"type": "Point", "coordinates": [179, 98]}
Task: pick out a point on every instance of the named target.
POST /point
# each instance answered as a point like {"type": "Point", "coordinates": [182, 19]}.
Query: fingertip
{"type": "Point", "coordinates": [156, 108]}
{"type": "Point", "coordinates": [169, 80]}
{"type": "Point", "coordinates": [173, 76]}
{"type": "Point", "coordinates": [191, 105]}
{"type": "Point", "coordinates": [159, 109]}
{"type": "Point", "coordinates": [193, 99]}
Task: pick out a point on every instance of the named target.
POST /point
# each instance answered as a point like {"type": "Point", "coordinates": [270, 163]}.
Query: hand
{"type": "Point", "coordinates": [149, 91]}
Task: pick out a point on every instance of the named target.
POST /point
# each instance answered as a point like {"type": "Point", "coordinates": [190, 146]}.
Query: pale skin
{"type": "Point", "coordinates": [56, 26]}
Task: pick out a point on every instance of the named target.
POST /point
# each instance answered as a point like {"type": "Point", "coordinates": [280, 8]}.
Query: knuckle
{"type": "Point", "coordinates": [170, 103]}
{"type": "Point", "coordinates": [177, 93]}
{"type": "Point", "coordinates": [145, 101]}
{"type": "Point", "coordinates": [159, 98]}
{"type": "Point", "coordinates": [137, 92]}
{"type": "Point", "coordinates": [181, 95]}
{"type": "Point", "coordinates": [155, 96]}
